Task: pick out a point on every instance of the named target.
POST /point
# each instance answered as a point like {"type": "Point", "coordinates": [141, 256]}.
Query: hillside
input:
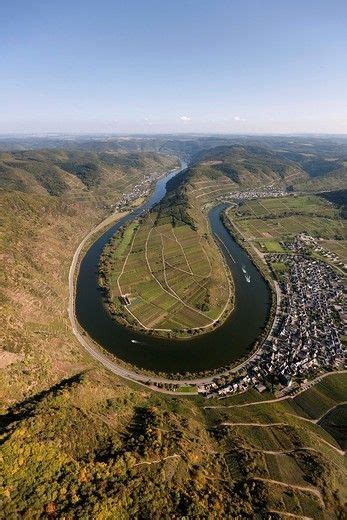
{"type": "Point", "coordinates": [231, 168]}
{"type": "Point", "coordinates": [39, 234]}
{"type": "Point", "coordinates": [92, 446]}
{"type": "Point", "coordinates": [76, 175]}
{"type": "Point", "coordinates": [77, 441]}
{"type": "Point", "coordinates": [249, 166]}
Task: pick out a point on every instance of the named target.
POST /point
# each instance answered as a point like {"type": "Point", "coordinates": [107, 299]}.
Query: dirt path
{"type": "Point", "coordinates": [175, 295]}
{"type": "Point", "coordinates": [158, 461]}
{"type": "Point", "coordinates": [291, 515]}
{"type": "Point", "coordinates": [182, 249]}
{"type": "Point", "coordinates": [253, 403]}
{"type": "Point", "coordinates": [309, 489]}
{"type": "Point", "coordinates": [260, 425]}
{"type": "Point", "coordinates": [330, 410]}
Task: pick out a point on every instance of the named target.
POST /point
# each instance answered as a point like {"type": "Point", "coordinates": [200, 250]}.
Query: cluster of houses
{"type": "Point", "coordinates": [317, 248]}
{"type": "Point", "coordinates": [263, 193]}
{"type": "Point", "coordinates": [138, 191]}
{"type": "Point", "coordinates": [305, 340]}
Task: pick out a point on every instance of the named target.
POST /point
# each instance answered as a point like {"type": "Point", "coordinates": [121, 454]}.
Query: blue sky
{"type": "Point", "coordinates": [238, 66]}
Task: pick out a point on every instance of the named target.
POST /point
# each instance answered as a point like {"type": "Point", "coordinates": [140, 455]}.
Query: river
{"type": "Point", "coordinates": [214, 350]}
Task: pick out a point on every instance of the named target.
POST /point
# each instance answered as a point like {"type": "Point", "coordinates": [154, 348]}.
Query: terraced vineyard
{"type": "Point", "coordinates": [279, 445]}
{"type": "Point", "coordinates": [170, 278]}
{"type": "Point", "coordinates": [77, 441]}
{"type": "Point", "coordinates": [267, 222]}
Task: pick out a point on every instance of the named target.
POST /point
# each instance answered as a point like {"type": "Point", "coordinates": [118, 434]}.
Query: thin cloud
{"type": "Point", "coordinates": [238, 118]}
{"type": "Point", "coordinates": [185, 118]}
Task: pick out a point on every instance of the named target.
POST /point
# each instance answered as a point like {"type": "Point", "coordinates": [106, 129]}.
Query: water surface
{"type": "Point", "coordinates": [217, 349]}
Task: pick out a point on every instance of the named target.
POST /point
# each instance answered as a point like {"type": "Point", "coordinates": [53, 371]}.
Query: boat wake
{"type": "Point", "coordinates": [246, 275]}
{"type": "Point", "coordinates": [137, 342]}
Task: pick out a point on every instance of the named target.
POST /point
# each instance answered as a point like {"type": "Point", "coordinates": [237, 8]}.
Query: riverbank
{"type": "Point", "coordinates": [167, 279]}
{"type": "Point", "coordinates": [191, 362]}
{"type": "Point", "coordinates": [259, 261]}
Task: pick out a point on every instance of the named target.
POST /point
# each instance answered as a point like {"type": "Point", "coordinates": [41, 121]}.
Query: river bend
{"type": "Point", "coordinates": [214, 350]}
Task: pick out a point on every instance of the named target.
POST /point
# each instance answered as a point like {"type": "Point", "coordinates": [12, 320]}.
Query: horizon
{"type": "Point", "coordinates": [175, 134]}
{"type": "Point", "coordinates": [231, 68]}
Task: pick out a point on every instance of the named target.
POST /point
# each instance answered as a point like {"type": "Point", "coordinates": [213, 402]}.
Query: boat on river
{"type": "Point", "coordinates": [224, 345]}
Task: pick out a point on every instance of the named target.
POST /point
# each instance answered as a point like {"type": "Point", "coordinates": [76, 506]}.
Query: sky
{"type": "Point", "coordinates": [160, 66]}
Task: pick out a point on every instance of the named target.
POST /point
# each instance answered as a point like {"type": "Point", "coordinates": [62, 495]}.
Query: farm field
{"type": "Point", "coordinates": [282, 228]}
{"type": "Point", "coordinates": [335, 423]}
{"type": "Point", "coordinates": [308, 205]}
{"type": "Point", "coordinates": [269, 222]}
{"type": "Point", "coordinates": [279, 445]}
{"type": "Point", "coordinates": [170, 276]}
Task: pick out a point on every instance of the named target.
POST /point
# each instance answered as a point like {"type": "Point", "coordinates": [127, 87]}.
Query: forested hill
{"type": "Point", "coordinates": [289, 167]}
{"type": "Point", "coordinates": [60, 172]}
{"type": "Point", "coordinates": [247, 166]}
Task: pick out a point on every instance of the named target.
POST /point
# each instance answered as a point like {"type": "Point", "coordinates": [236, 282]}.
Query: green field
{"type": "Point", "coordinates": [171, 275]}
{"type": "Point", "coordinates": [280, 444]}
{"type": "Point", "coordinates": [279, 268]}
{"type": "Point", "coordinates": [282, 206]}
{"type": "Point", "coordinates": [271, 246]}
{"type": "Point", "coordinates": [267, 222]}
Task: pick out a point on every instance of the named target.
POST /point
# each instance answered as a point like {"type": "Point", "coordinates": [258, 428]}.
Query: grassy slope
{"type": "Point", "coordinates": [172, 269]}
{"type": "Point", "coordinates": [77, 441]}
{"type": "Point", "coordinates": [39, 234]}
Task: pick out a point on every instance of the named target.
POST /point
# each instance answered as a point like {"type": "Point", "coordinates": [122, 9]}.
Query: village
{"type": "Point", "coordinates": [138, 191]}
{"type": "Point", "coordinates": [263, 193]}
{"type": "Point", "coordinates": [305, 339]}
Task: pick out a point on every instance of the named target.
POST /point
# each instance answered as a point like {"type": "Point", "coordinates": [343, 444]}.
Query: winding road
{"type": "Point", "coordinates": [96, 351]}
{"type": "Point", "coordinates": [107, 360]}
